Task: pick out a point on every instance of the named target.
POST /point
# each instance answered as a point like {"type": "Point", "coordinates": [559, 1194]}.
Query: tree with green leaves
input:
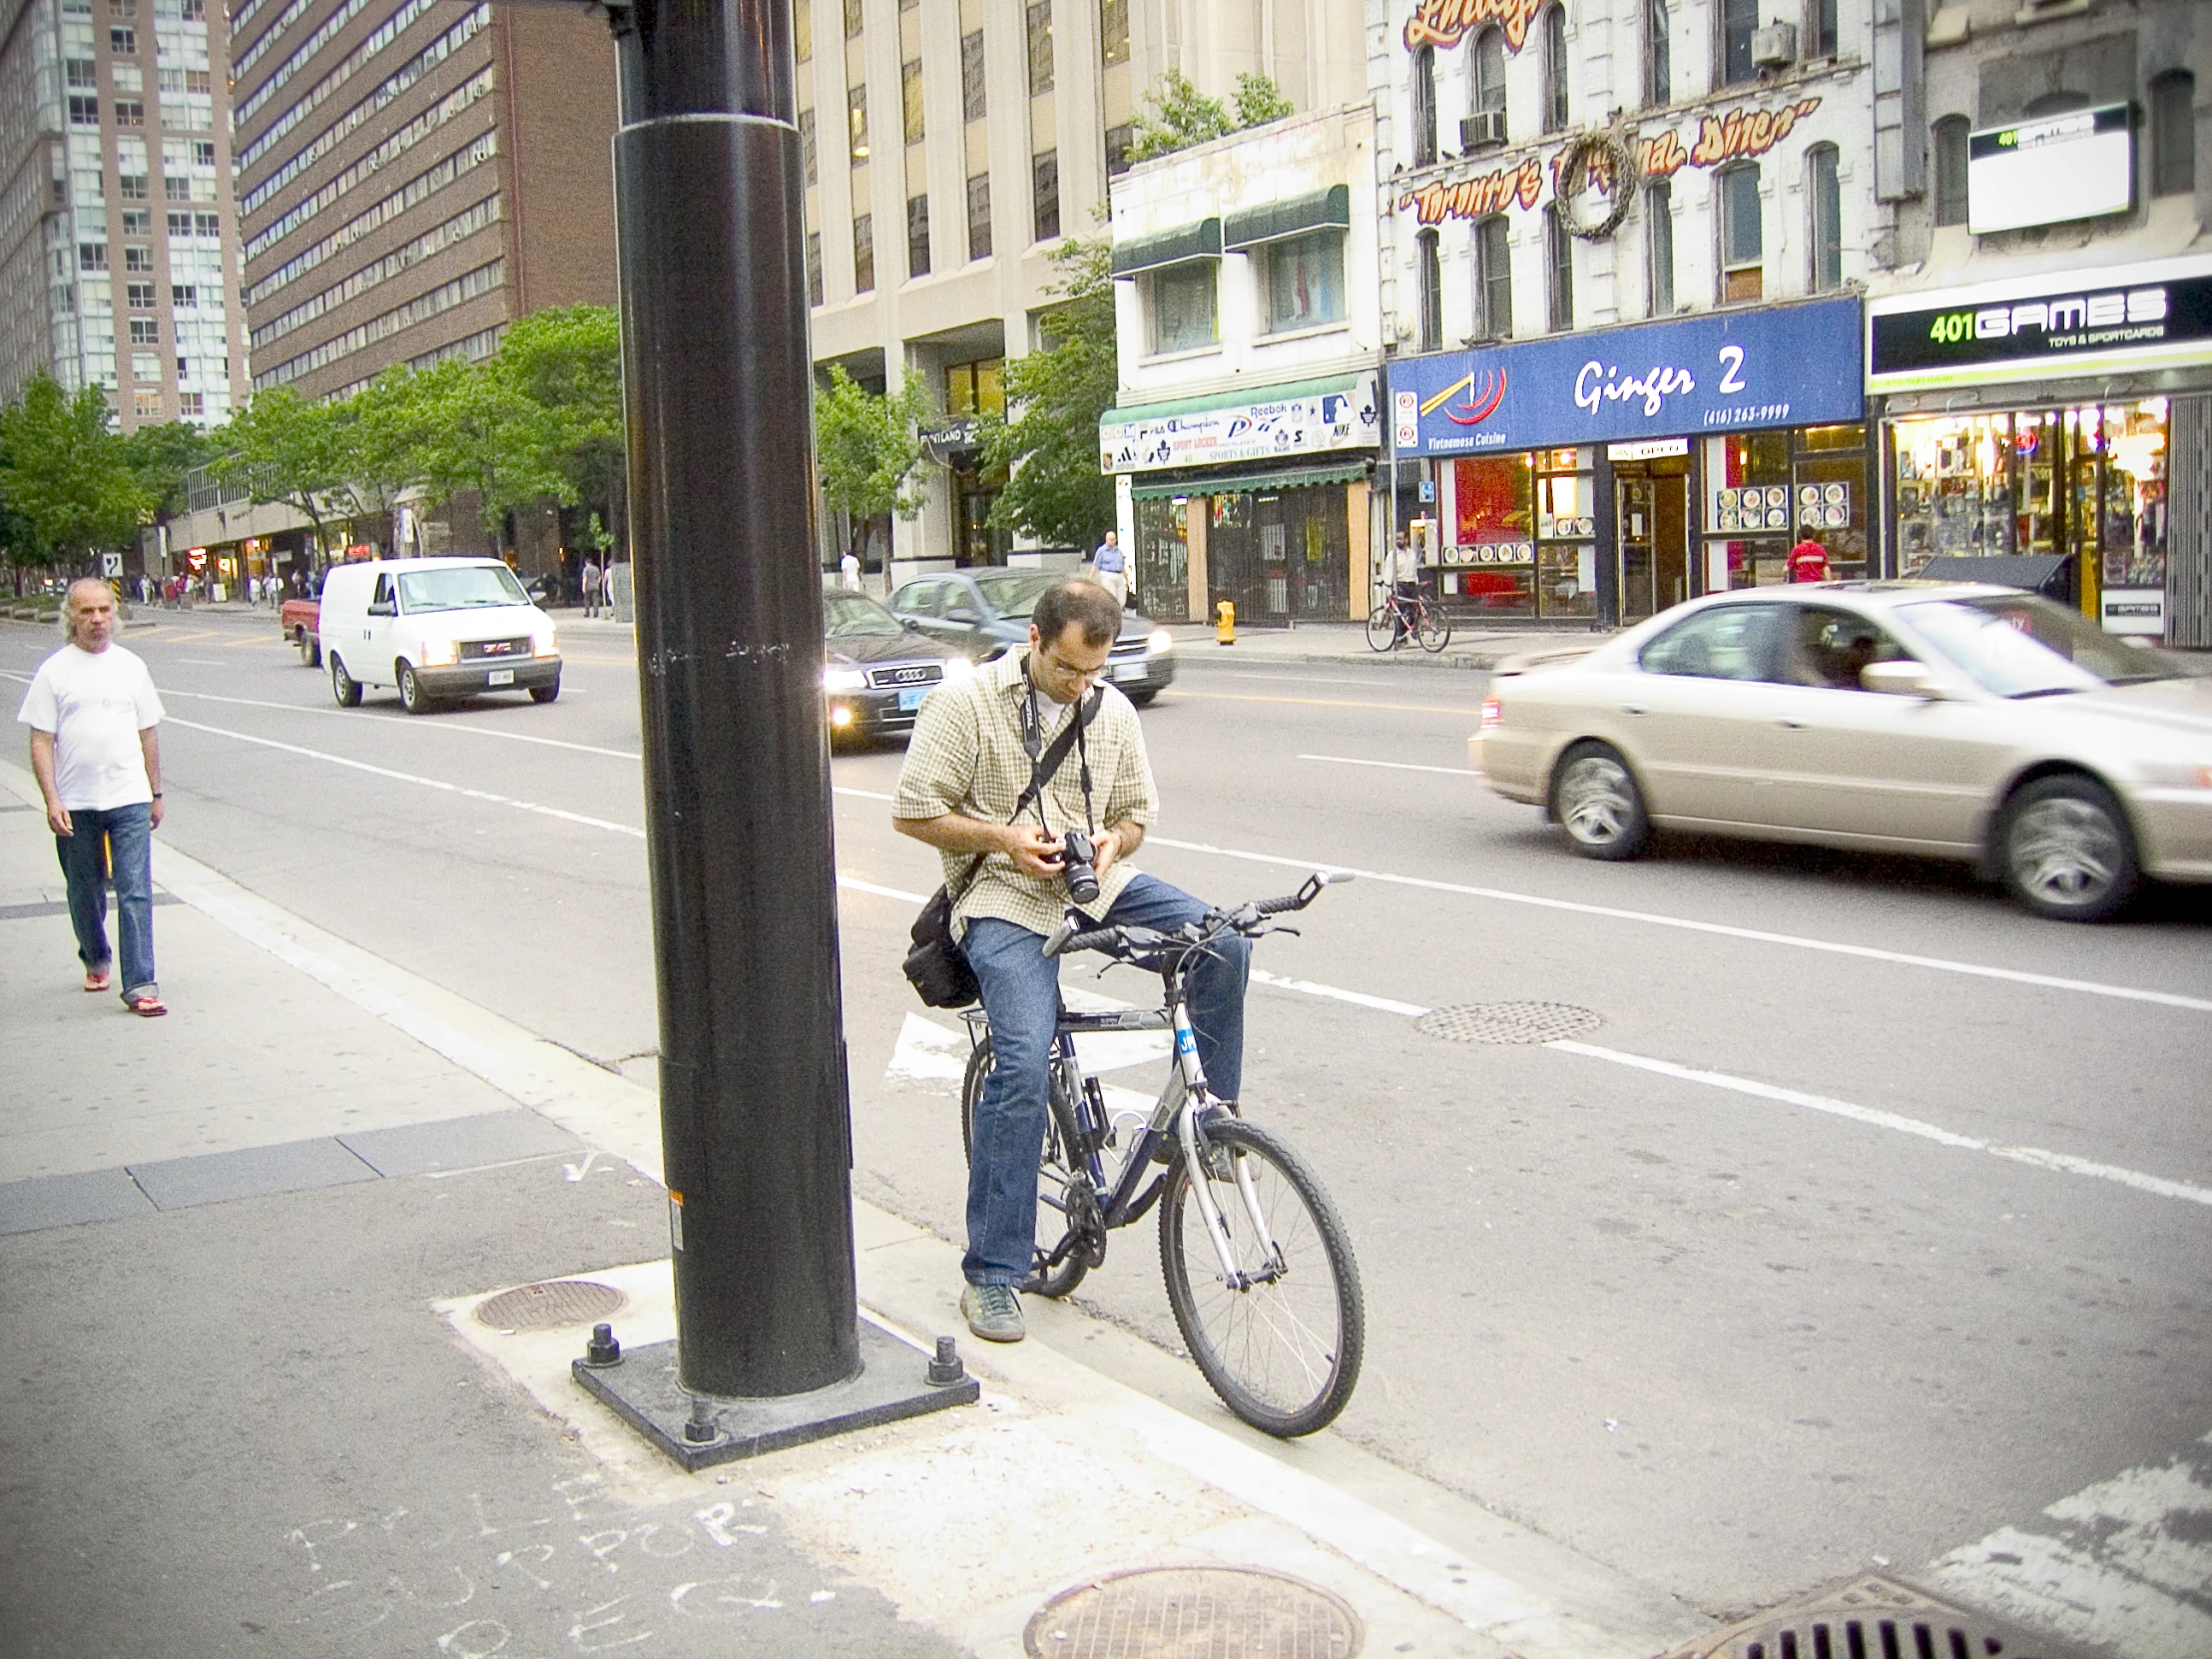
{"type": "Point", "coordinates": [1180, 115]}
{"type": "Point", "coordinates": [69, 489]}
{"type": "Point", "coordinates": [286, 451]}
{"type": "Point", "coordinates": [868, 448]}
{"type": "Point", "coordinates": [1260, 100]}
{"type": "Point", "coordinates": [164, 456]}
{"type": "Point", "coordinates": [345, 464]}
{"type": "Point", "coordinates": [1048, 439]}
{"type": "Point", "coordinates": [558, 381]}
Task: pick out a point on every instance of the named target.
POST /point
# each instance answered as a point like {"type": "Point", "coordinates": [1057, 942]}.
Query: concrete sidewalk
{"type": "Point", "coordinates": [257, 1414]}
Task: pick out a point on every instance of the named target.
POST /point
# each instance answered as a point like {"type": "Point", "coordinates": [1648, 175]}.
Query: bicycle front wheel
{"type": "Point", "coordinates": [1381, 628]}
{"type": "Point", "coordinates": [1281, 1341]}
{"type": "Point", "coordinates": [1056, 1178]}
{"type": "Point", "coordinates": [1435, 629]}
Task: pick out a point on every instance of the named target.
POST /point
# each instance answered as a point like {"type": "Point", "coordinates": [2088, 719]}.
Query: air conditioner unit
{"type": "Point", "coordinates": [1483, 130]}
{"type": "Point", "coordinates": [1775, 46]}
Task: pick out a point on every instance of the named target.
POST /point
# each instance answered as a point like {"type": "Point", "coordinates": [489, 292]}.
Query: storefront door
{"type": "Point", "coordinates": [1653, 515]}
{"type": "Point", "coordinates": [1279, 556]}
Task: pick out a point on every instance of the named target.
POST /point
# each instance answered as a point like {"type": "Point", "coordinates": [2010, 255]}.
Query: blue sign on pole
{"type": "Point", "coordinates": [1729, 371]}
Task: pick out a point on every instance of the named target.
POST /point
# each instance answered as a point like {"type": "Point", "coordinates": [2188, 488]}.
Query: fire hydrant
{"type": "Point", "coordinates": [1225, 622]}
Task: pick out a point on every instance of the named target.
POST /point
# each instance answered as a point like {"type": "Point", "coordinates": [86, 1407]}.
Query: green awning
{"type": "Point", "coordinates": [1186, 241]}
{"type": "Point", "coordinates": [1244, 482]}
{"type": "Point", "coordinates": [1232, 399]}
{"type": "Point", "coordinates": [1323, 210]}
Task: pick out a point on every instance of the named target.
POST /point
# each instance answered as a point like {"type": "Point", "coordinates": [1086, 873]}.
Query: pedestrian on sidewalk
{"type": "Point", "coordinates": [1110, 568]}
{"type": "Point", "coordinates": [849, 571]}
{"type": "Point", "coordinates": [91, 710]}
{"type": "Point", "coordinates": [592, 578]}
{"type": "Point", "coordinates": [1808, 561]}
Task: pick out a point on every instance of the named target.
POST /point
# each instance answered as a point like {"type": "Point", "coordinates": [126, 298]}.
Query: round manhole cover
{"type": "Point", "coordinates": [1195, 1613]}
{"type": "Point", "coordinates": [556, 1302]}
{"type": "Point", "coordinates": [1507, 1022]}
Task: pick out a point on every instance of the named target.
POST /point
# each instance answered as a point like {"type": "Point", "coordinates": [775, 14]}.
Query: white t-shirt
{"type": "Point", "coordinates": [95, 703]}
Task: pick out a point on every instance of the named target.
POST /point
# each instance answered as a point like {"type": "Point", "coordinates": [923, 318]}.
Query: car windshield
{"type": "Point", "coordinates": [460, 588]}
{"type": "Point", "coordinates": [2017, 645]}
{"type": "Point", "coordinates": [1014, 597]}
{"type": "Point", "coordinates": [847, 616]}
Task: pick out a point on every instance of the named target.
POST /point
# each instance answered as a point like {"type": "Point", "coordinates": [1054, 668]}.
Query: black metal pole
{"type": "Point", "coordinates": [716, 384]}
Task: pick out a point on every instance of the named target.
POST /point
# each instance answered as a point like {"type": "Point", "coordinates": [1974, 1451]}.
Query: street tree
{"type": "Point", "coordinates": [164, 456]}
{"type": "Point", "coordinates": [557, 383]}
{"type": "Point", "coordinates": [868, 449]}
{"type": "Point", "coordinates": [1047, 441]}
{"type": "Point", "coordinates": [1179, 115]}
{"type": "Point", "coordinates": [69, 488]}
{"type": "Point", "coordinates": [286, 451]}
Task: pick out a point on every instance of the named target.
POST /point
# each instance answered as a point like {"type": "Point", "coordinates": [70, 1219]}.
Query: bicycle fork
{"type": "Point", "coordinates": [1186, 1134]}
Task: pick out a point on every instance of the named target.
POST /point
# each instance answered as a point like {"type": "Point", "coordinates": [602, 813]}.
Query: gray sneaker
{"type": "Point", "coordinates": [993, 1313]}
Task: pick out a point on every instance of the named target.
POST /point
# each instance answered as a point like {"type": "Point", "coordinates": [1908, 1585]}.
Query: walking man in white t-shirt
{"type": "Point", "coordinates": [1110, 567]}
{"type": "Point", "coordinates": [91, 710]}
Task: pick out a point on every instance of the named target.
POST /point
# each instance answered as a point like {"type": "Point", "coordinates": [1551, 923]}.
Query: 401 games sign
{"type": "Point", "coordinates": [2090, 322]}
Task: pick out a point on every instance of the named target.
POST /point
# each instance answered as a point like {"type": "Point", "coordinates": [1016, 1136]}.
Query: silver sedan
{"type": "Point", "coordinates": [1959, 720]}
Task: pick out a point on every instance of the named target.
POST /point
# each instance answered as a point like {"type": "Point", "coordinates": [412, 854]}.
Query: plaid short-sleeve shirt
{"type": "Point", "coordinates": [966, 757]}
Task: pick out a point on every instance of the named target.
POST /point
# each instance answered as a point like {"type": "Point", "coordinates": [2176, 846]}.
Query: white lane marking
{"type": "Point", "coordinates": [1388, 1005]}
{"type": "Point", "coordinates": [1392, 766]}
{"type": "Point", "coordinates": [928, 1053]}
{"type": "Point", "coordinates": [1868, 952]}
{"type": "Point", "coordinates": [442, 724]}
{"type": "Point", "coordinates": [858, 885]}
{"type": "Point", "coordinates": [2124, 1565]}
{"type": "Point", "coordinates": [864, 795]}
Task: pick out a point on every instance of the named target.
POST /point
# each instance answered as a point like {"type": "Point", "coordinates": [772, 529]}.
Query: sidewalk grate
{"type": "Point", "coordinates": [1506, 1022]}
{"type": "Point", "coordinates": [1195, 1613]}
{"type": "Point", "coordinates": [1873, 1618]}
{"type": "Point", "coordinates": [554, 1303]}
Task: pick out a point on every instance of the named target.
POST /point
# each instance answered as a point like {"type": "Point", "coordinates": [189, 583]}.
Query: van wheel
{"type": "Point", "coordinates": [344, 686]}
{"type": "Point", "coordinates": [412, 697]}
{"type": "Point", "coordinates": [311, 647]}
{"type": "Point", "coordinates": [545, 694]}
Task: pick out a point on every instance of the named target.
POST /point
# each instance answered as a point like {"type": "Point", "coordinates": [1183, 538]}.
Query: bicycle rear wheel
{"type": "Point", "coordinates": [1055, 1177]}
{"type": "Point", "coordinates": [1434, 628]}
{"type": "Point", "coordinates": [1281, 1347]}
{"type": "Point", "coordinates": [1382, 627]}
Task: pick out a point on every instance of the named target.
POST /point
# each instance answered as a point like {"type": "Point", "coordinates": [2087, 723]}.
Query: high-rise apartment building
{"type": "Point", "coordinates": [118, 247]}
{"type": "Point", "coordinates": [412, 177]}
{"type": "Point", "coordinates": [952, 145]}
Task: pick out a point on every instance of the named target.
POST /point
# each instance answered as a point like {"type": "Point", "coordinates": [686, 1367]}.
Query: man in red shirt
{"type": "Point", "coordinates": [1809, 562]}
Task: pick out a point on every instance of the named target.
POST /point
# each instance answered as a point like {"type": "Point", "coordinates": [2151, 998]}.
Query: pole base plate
{"type": "Point", "coordinates": [642, 1389]}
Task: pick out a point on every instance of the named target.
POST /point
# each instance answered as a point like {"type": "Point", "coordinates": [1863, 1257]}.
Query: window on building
{"type": "Point", "coordinates": [1045, 192]}
{"type": "Point", "coordinates": [194, 11]}
{"type": "Point", "coordinates": [122, 43]}
{"type": "Point", "coordinates": [145, 365]}
{"type": "Point", "coordinates": [147, 406]}
{"type": "Point", "coordinates": [1424, 106]}
{"type": "Point", "coordinates": [856, 119]}
{"type": "Point", "coordinates": [807, 144]}
{"type": "Point", "coordinates": [123, 8]}
{"type": "Point", "coordinates": [1306, 280]}
{"type": "Point", "coordinates": [864, 254]}
{"type": "Point", "coordinates": [145, 330]}
{"type": "Point", "coordinates": [175, 189]}
{"type": "Point", "coordinates": [814, 259]}
{"type": "Point", "coordinates": [802, 30]}
{"type": "Point", "coordinates": [1182, 306]}
{"type": "Point", "coordinates": [2173, 134]}
{"type": "Point", "coordinates": [1040, 46]}
{"type": "Point", "coordinates": [137, 222]}
{"type": "Point", "coordinates": [1659, 246]}
{"type": "Point", "coordinates": [84, 111]}
{"type": "Point", "coordinates": [1658, 52]}
{"type": "Point", "coordinates": [1493, 279]}
{"type": "Point", "coordinates": [137, 257]}
{"type": "Point", "coordinates": [129, 112]}
{"type": "Point", "coordinates": [972, 101]}
{"type": "Point", "coordinates": [1825, 210]}
{"type": "Point", "coordinates": [1743, 235]}
{"type": "Point", "coordinates": [1820, 28]}
{"type": "Point", "coordinates": [909, 98]}
{"type": "Point", "coordinates": [917, 235]}
{"type": "Point", "coordinates": [977, 387]}
{"type": "Point", "coordinates": [1118, 141]}
{"type": "Point", "coordinates": [92, 256]}
{"type": "Point", "coordinates": [1113, 31]}
{"type": "Point", "coordinates": [980, 217]}
{"type": "Point", "coordinates": [192, 404]}
{"type": "Point", "coordinates": [81, 73]}
{"type": "Point", "coordinates": [1487, 84]}
{"type": "Point", "coordinates": [183, 297]}
{"type": "Point", "coordinates": [1951, 169]}
{"type": "Point", "coordinates": [179, 225]}
{"type": "Point", "coordinates": [1739, 22]}
{"type": "Point", "coordinates": [1555, 69]}
{"type": "Point", "coordinates": [139, 295]}
{"type": "Point", "coordinates": [852, 19]}
{"type": "Point", "coordinates": [1428, 276]}
{"type": "Point", "coordinates": [1558, 270]}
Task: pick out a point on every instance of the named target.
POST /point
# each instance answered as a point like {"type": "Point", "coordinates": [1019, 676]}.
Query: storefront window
{"type": "Point", "coordinates": [1767, 491]}
{"type": "Point", "coordinates": [1523, 535]}
{"type": "Point", "coordinates": [1163, 558]}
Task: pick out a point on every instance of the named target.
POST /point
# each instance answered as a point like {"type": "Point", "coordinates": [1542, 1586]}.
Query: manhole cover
{"type": "Point", "coordinates": [554, 1303]}
{"type": "Point", "coordinates": [1195, 1613]}
{"type": "Point", "coordinates": [1506, 1022]}
{"type": "Point", "coordinates": [1878, 1618]}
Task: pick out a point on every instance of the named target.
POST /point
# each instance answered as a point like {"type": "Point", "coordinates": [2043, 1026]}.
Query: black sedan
{"type": "Point", "coordinates": [982, 613]}
{"type": "Point", "coordinates": [874, 672]}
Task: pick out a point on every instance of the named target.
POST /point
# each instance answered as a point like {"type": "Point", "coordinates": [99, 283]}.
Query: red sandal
{"type": "Point", "coordinates": [146, 1007]}
{"type": "Point", "coordinates": [95, 981]}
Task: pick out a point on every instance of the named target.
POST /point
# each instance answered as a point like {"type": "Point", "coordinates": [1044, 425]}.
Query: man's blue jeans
{"type": "Point", "coordinates": [129, 832]}
{"type": "Point", "coordinates": [1022, 993]}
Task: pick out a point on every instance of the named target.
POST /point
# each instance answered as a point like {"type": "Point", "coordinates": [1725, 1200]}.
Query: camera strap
{"type": "Point", "coordinates": [1044, 767]}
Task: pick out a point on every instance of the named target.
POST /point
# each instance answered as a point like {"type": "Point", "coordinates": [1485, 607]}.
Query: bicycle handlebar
{"type": "Point", "coordinates": [1069, 936]}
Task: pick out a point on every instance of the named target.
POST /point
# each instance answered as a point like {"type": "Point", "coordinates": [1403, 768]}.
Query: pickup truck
{"type": "Point", "coordinates": [301, 620]}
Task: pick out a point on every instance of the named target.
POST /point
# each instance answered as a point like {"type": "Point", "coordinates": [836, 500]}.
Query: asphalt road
{"type": "Point", "coordinates": [1753, 1289]}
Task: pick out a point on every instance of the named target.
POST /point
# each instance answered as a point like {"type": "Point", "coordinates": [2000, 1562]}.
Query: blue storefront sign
{"type": "Point", "coordinates": [1729, 371]}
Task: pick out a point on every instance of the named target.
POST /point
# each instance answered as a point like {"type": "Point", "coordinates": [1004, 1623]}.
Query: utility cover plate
{"type": "Point", "coordinates": [1507, 1022]}
{"type": "Point", "coordinates": [1880, 1618]}
{"type": "Point", "coordinates": [550, 1304]}
{"type": "Point", "coordinates": [1195, 1613]}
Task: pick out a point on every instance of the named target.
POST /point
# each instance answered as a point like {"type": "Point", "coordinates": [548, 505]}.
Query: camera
{"type": "Point", "coordinates": [1076, 854]}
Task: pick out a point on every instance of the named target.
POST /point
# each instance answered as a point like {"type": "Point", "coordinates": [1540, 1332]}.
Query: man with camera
{"type": "Point", "coordinates": [1038, 724]}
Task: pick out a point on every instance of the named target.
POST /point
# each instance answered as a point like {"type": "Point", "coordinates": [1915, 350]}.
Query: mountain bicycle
{"type": "Point", "coordinates": [1408, 613]}
{"type": "Point", "coordinates": [1259, 1270]}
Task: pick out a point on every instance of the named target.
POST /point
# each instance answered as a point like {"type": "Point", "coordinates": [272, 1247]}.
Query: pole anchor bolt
{"type": "Point", "coordinates": [602, 1350]}
{"type": "Point", "coordinates": [946, 1368]}
{"type": "Point", "coordinates": [701, 1430]}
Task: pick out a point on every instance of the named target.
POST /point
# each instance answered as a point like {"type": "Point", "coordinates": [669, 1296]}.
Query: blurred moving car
{"type": "Point", "coordinates": [876, 671]}
{"type": "Point", "coordinates": [984, 613]}
{"type": "Point", "coordinates": [1957, 720]}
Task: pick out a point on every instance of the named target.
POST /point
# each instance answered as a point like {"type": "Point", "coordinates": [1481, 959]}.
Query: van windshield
{"type": "Point", "coordinates": [459, 587]}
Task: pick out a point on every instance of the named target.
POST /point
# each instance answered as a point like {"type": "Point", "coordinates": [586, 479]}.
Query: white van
{"type": "Point", "coordinates": [434, 627]}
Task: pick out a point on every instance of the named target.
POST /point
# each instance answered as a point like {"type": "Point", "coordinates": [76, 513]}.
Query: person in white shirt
{"type": "Point", "coordinates": [1110, 567]}
{"type": "Point", "coordinates": [93, 713]}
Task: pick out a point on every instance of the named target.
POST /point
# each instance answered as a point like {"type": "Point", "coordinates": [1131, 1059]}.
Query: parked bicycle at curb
{"type": "Point", "coordinates": [1260, 1274]}
{"type": "Point", "coordinates": [1408, 613]}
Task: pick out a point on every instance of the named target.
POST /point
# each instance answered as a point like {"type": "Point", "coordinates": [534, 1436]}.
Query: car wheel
{"type": "Point", "coordinates": [1595, 799]}
{"type": "Point", "coordinates": [344, 686]}
{"type": "Point", "coordinates": [545, 694]}
{"type": "Point", "coordinates": [2066, 850]}
{"type": "Point", "coordinates": [1143, 698]}
{"type": "Point", "coordinates": [412, 697]}
{"type": "Point", "coordinates": [311, 647]}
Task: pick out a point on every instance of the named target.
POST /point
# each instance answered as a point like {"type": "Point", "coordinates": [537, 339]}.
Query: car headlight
{"type": "Point", "coordinates": [547, 644]}
{"type": "Point", "coordinates": [843, 680]}
{"type": "Point", "coordinates": [957, 668]}
{"type": "Point", "coordinates": [1159, 642]}
{"type": "Point", "coordinates": [440, 653]}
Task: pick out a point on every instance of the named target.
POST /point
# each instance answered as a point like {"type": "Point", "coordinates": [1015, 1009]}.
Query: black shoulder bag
{"type": "Point", "coordinates": [936, 967]}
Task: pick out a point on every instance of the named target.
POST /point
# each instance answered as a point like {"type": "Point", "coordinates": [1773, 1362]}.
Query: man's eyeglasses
{"type": "Point", "coordinates": [1061, 665]}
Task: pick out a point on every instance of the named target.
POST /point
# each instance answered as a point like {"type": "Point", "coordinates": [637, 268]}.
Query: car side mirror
{"type": "Point", "coordinates": [383, 607]}
{"type": "Point", "coordinates": [1903, 678]}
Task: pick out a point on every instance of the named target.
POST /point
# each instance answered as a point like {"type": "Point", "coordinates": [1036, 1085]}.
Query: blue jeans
{"type": "Point", "coordinates": [1022, 993]}
{"type": "Point", "coordinates": [129, 832]}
